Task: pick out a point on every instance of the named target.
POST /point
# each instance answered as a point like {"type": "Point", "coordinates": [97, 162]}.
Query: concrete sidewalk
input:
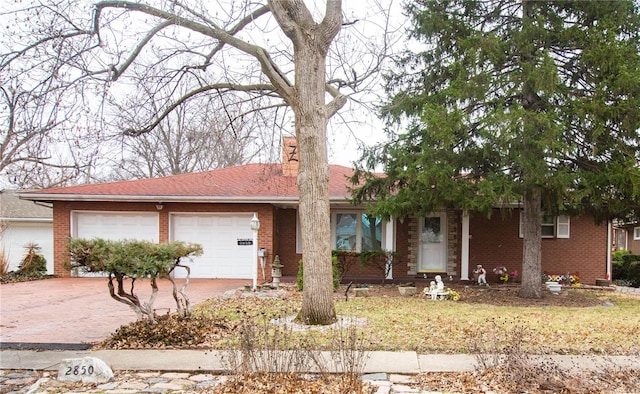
{"type": "Point", "coordinates": [212, 361]}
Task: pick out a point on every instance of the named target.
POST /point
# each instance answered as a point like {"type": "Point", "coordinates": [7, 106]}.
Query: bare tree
{"type": "Point", "coordinates": [45, 136]}
{"type": "Point", "coordinates": [197, 136]}
{"type": "Point", "coordinates": [270, 56]}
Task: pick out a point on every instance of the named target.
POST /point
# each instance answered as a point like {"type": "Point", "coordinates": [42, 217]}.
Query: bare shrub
{"type": "Point", "coordinates": [500, 353]}
{"type": "Point", "coordinates": [277, 353]}
{"type": "Point", "coordinates": [265, 347]}
{"type": "Point", "coordinates": [4, 262]}
{"type": "Point", "coordinates": [348, 354]}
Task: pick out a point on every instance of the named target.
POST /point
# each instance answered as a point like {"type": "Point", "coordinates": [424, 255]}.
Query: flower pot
{"type": "Point", "coordinates": [407, 291]}
{"type": "Point", "coordinates": [554, 287]}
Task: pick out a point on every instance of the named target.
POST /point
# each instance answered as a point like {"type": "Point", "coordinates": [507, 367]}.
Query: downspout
{"type": "Point", "coordinates": [389, 244]}
{"type": "Point", "coordinates": [464, 252]}
{"type": "Point", "coordinates": [609, 229]}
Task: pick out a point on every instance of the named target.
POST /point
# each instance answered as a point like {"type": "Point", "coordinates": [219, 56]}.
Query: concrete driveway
{"type": "Point", "coordinates": [80, 310]}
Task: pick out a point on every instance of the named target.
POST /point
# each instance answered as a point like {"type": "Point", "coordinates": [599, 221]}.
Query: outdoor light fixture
{"type": "Point", "coordinates": [255, 226]}
{"type": "Point", "coordinates": [255, 223]}
{"type": "Point", "coordinates": [159, 207]}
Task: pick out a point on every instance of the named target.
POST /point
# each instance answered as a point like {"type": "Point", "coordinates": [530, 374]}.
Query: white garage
{"type": "Point", "coordinates": [225, 238]}
{"type": "Point", "coordinates": [21, 223]}
{"type": "Point", "coordinates": [16, 235]}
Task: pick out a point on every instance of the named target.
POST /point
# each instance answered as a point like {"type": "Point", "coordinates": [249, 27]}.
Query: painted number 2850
{"type": "Point", "coordinates": [79, 370]}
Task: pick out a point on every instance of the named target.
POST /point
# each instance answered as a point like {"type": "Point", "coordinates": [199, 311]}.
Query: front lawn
{"type": "Point", "coordinates": [578, 322]}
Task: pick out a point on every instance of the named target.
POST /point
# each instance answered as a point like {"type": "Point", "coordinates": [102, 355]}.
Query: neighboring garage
{"type": "Point", "coordinates": [21, 223]}
{"type": "Point", "coordinates": [19, 234]}
{"type": "Point", "coordinates": [225, 239]}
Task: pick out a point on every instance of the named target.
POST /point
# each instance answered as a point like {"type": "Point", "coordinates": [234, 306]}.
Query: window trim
{"type": "Point", "coordinates": [636, 233]}
{"type": "Point", "coordinates": [333, 220]}
{"type": "Point", "coordinates": [358, 214]}
{"type": "Point", "coordinates": [561, 227]}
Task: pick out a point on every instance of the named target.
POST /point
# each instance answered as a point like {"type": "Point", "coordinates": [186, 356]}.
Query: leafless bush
{"type": "Point", "coordinates": [499, 353]}
{"type": "Point", "coordinates": [4, 262]}
{"type": "Point", "coordinates": [348, 354]}
{"type": "Point", "coordinates": [266, 349]}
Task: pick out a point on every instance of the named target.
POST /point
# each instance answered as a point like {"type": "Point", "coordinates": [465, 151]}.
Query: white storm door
{"type": "Point", "coordinates": [433, 243]}
{"type": "Point", "coordinates": [226, 242]}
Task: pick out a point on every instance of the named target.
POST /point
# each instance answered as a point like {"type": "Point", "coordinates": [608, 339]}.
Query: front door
{"type": "Point", "coordinates": [433, 243]}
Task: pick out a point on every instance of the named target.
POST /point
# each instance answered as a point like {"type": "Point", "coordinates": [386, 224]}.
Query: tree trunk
{"type": "Point", "coordinates": [533, 165]}
{"type": "Point", "coordinates": [311, 43]}
{"type": "Point", "coordinates": [531, 286]}
{"type": "Point", "coordinates": [313, 184]}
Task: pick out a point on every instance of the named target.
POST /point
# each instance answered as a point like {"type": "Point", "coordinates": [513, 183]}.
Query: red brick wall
{"type": "Point", "coordinates": [496, 242]}
{"type": "Point", "coordinates": [400, 264]}
{"type": "Point", "coordinates": [62, 223]}
{"type": "Point", "coordinates": [286, 246]}
{"type": "Point", "coordinates": [286, 241]}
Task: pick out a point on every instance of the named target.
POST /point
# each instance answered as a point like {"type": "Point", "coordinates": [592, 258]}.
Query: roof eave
{"type": "Point", "coordinates": [46, 197]}
{"type": "Point", "coordinates": [27, 220]}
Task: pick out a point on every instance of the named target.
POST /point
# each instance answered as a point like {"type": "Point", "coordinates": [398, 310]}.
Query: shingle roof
{"type": "Point", "coordinates": [12, 208]}
{"type": "Point", "coordinates": [248, 183]}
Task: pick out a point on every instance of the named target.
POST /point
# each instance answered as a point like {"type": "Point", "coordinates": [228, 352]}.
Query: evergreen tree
{"type": "Point", "coordinates": [531, 102]}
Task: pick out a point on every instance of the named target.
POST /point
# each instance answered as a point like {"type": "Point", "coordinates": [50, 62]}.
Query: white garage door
{"type": "Point", "coordinates": [116, 225]}
{"type": "Point", "coordinates": [17, 235]}
{"type": "Point", "coordinates": [225, 239]}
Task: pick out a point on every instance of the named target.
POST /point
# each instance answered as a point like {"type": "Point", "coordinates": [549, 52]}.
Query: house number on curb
{"type": "Point", "coordinates": [79, 370]}
{"type": "Point", "coordinates": [86, 370]}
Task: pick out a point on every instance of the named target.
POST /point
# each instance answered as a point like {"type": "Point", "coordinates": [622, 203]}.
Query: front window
{"type": "Point", "coordinates": [346, 231]}
{"type": "Point", "coordinates": [636, 233]}
{"type": "Point", "coordinates": [371, 232]}
{"type": "Point", "coordinates": [548, 226]}
{"type": "Point", "coordinates": [355, 231]}
{"type": "Point", "coordinates": [552, 226]}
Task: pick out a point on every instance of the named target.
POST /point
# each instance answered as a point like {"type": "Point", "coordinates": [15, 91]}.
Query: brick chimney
{"type": "Point", "coordinates": [290, 156]}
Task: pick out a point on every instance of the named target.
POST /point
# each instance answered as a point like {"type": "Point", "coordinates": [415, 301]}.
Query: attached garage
{"type": "Point", "coordinates": [115, 225]}
{"type": "Point", "coordinates": [225, 238]}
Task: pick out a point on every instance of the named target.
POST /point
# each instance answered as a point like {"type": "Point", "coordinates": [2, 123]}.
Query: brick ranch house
{"type": "Point", "coordinates": [214, 208]}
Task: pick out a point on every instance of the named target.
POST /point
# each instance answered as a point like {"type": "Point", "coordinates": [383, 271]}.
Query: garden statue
{"type": "Point", "coordinates": [432, 290]}
{"type": "Point", "coordinates": [481, 273]}
{"type": "Point", "coordinates": [439, 290]}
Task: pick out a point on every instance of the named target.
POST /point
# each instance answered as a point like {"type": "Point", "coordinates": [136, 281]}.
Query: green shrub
{"type": "Point", "coordinates": [632, 269]}
{"type": "Point", "coordinates": [132, 260]}
{"type": "Point", "coordinates": [334, 268]}
{"type": "Point", "coordinates": [33, 262]}
{"type": "Point", "coordinates": [626, 267]}
{"type": "Point", "coordinates": [619, 271]}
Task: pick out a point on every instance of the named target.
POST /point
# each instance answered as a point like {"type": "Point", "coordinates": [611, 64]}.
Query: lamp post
{"type": "Point", "coordinates": [255, 226]}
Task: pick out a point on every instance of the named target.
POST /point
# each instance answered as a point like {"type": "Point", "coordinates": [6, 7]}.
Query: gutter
{"type": "Point", "coordinates": [27, 220]}
{"type": "Point", "coordinates": [49, 198]}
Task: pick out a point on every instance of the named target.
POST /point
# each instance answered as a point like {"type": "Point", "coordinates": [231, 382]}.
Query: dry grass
{"type": "Point", "coordinates": [425, 326]}
{"type": "Point", "coordinates": [4, 262]}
